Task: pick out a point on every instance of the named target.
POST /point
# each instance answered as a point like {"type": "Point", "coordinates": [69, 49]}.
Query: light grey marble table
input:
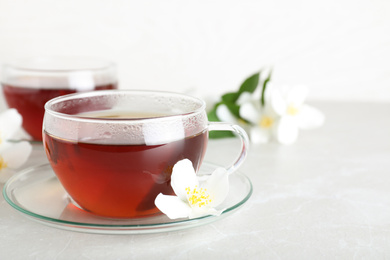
{"type": "Point", "coordinates": [325, 197]}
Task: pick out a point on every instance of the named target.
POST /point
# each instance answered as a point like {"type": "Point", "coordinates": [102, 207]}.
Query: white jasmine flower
{"type": "Point", "coordinates": [263, 121]}
{"type": "Point", "coordinates": [10, 123]}
{"type": "Point", "coordinates": [193, 199]}
{"type": "Point", "coordinates": [288, 103]}
{"type": "Point", "coordinates": [12, 154]}
{"type": "Point", "coordinates": [283, 114]}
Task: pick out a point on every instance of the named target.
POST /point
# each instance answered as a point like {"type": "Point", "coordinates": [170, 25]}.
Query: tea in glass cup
{"type": "Point", "coordinates": [113, 151]}
{"type": "Point", "coordinates": [29, 83]}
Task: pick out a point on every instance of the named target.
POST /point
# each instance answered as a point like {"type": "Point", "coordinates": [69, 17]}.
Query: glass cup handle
{"type": "Point", "coordinates": [240, 132]}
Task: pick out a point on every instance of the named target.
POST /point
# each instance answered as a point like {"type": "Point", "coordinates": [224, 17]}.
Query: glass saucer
{"type": "Point", "coordinates": [38, 194]}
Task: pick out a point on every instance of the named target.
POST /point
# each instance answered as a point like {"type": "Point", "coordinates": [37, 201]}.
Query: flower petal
{"type": "Point", "coordinates": [218, 186]}
{"type": "Point", "coordinates": [245, 97]}
{"type": "Point", "coordinates": [183, 176]}
{"type": "Point", "coordinates": [259, 135]}
{"type": "Point", "coordinates": [224, 114]}
{"type": "Point", "coordinates": [278, 103]}
{"type": "Point", "coordinates": [268, 92]}
{"type": "Point", "coordinates": [172, 206]}
{"type": "Point", "coordinates": [296, 95]}
{"type": "Point", "coordinates": [249, 112]}
{"type": "Point", "coordinates": [286, 130]}
{"type": "Point", "coordinates": [310, 117]}
{"type": "Point", "coordinates": [10, 123]}
{"type": "Point", "coordinates": [16, 154]}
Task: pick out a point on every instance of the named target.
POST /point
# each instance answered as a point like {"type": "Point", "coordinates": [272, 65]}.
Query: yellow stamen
{"type": "Point", "coordinates": [3, 164]}
{"type": "Point", "coordinates": [292, 110]}
{"type": "Point", "coordinates": [266, 122]}
{"type": "Point", "coordinates": [198, 196]}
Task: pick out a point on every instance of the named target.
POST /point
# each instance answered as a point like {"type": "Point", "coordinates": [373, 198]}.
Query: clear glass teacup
{"type": "Point", "coordinates": [113, 150]}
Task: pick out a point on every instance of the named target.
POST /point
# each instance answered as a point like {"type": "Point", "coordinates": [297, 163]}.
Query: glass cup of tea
{"type": "Point", "coordinates": [29, 83]}
{"type": "Point", "coordinates": [113, 150]}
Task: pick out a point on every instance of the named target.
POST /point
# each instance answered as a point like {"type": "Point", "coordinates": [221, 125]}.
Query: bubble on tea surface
{"type": "Point", "coordinates": [128, 134]}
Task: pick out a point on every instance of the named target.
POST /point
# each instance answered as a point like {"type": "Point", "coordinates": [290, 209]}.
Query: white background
{"type": "Point", "coordinates": [339, 48]}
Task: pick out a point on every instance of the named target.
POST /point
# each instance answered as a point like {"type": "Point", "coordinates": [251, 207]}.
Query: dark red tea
{"type": "Point", "coordinates": [30, 104]}
{"type": "Point", "coordinates": [120, 180]}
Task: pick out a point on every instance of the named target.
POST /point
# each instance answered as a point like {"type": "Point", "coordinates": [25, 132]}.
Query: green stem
{"type": "Point", "coordinates": [264, 87]}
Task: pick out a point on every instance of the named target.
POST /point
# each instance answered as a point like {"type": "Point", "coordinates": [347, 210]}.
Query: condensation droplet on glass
{"type": "Point", "coordinates": [107, 135]}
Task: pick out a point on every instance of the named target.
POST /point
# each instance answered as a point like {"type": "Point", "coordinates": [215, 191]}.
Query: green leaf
{"type": "Point", "coordinates": [262, 99]}
{"type": "Point", "coordinates": [233, 108]}
{"type": "Point", "coordinates": [220, 134]}
{"type": "Point", "coordinates": [230, 97]}
{"type": "Point", "coordinates": [250, 84]}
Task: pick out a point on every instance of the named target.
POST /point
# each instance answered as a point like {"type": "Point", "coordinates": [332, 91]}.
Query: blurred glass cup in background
{"type": "Point", "coordinates": [29, 83]}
